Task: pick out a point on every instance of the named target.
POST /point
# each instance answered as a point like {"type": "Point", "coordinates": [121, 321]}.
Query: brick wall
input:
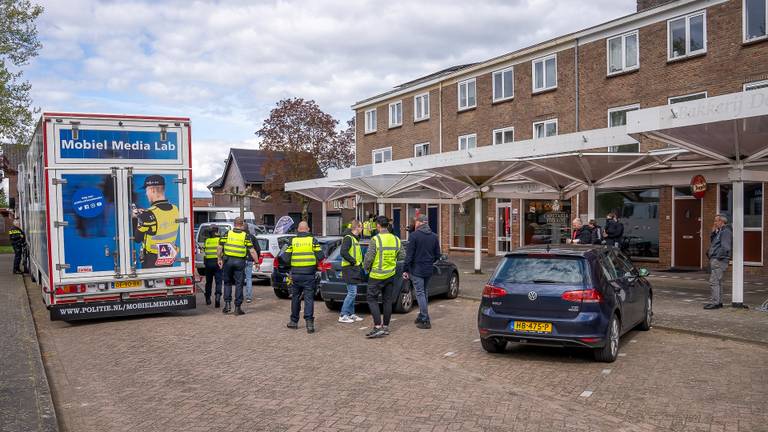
{"type": "Point", "coordinates": [647, 4]}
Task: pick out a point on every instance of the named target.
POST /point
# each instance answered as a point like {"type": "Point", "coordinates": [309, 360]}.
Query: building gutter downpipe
{"type": "Point", "coordinates": [576, 75]}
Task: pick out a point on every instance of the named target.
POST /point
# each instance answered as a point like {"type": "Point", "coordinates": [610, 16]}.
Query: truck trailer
{"type": "Point", "coordinates": [106, 202]}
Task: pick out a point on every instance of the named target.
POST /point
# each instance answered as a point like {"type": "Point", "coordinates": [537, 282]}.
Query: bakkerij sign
{"type": "Point", "coordinates": [118, 144]}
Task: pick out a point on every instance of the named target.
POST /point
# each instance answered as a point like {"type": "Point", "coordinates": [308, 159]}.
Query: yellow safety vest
{"type": "Point", "coordinates": [302, 250]}
{"type": "Point", "coordinates": [367, 228]}
{"type": "Point", "coordinates": [385, 262]}
{"type": "Point", "coordinates": [211, 247]}
{"type": "Point", "coordinates": [236, 244]}
{"type": "Point", "coordinates": [166, 229]}
{"type": "Point", "coordinates": [356, 253]}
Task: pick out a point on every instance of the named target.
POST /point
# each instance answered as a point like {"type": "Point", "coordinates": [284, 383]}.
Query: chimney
{"type": "Point", "coordinates": [648, 4]}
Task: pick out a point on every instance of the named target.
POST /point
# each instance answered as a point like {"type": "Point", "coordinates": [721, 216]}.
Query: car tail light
{"type": "Point", "coordinates": [491, 291]}
{"type": "Point", "coordinates": [179, 281]}
{"type": "Point", "coordinates": [276, 263]}
{"type": "Point", "coordinates": [324, 265]}
{"type": "Point", "coordinates": [583, 296]}
{"type": "Point", "coordinates": [265, 255]}
{"type": "Point", "coordinates": [70, 289]}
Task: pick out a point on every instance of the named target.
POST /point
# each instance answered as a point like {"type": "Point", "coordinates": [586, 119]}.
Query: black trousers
{"type": "Point", "coordinates": [212, 271]}
{"type": "Point", "coordinates": [234, 273]}
{"type": "Point", "coordinates": [303, 284]}
{"type": "Point", "coordinates": [385, 287]}
{"type": "Point", "coordinates": [18, 254]}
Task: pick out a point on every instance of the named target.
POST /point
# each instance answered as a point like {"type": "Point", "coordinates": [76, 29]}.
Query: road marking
{"type": "Point", "coordinates": [606, 371]}
{"type": "Point", "coordinates": [586, 393]}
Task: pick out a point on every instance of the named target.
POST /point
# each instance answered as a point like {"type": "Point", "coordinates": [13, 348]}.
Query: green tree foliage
{"type": "Point", "coordinates": [18, 44]}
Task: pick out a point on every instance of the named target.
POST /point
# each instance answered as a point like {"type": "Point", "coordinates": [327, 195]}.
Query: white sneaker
{"type": "Point", "coordinates": [356, 318]}
{"type": "Point", "coordinates": [346, 319]}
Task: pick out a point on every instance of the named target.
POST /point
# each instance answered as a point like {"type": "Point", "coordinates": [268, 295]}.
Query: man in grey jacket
{"type": "Point", "coordinates": [720, 249]}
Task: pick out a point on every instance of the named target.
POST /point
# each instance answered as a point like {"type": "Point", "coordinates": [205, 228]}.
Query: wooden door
{"type": "Point", "coordinates": [687, 236]}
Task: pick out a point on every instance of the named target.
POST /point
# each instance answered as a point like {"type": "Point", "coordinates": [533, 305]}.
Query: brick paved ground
{"type": "Point", "coordinates": [201, 371]}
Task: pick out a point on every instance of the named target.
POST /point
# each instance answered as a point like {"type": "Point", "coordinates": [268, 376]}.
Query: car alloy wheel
{"type": "Point", "coordinates": [406, 300]}
{"type": "Point", "coordinates": [648, 311]}
{"type": "Point", "coordinates": [453, 287]}
{"type": "Point", "coordinates": [614, 337]}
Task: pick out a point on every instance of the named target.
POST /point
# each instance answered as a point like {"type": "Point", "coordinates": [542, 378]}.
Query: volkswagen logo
{"type": "Point", "coordinates": [532, 295]}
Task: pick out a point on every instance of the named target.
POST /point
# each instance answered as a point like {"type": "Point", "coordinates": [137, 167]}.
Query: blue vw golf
{"type": "Point", "coordinates": [569, 295]}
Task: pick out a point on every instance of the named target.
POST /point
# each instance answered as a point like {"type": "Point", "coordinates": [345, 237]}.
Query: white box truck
{"type": "Point", "coordinates": [106, 203]}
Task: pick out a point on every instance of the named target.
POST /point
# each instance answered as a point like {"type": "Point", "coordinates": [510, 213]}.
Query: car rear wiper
{"type": "Point", "coordinates": [545, 281]}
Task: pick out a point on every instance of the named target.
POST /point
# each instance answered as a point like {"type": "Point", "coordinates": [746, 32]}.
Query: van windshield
{"type": "Point", "coordinates": [524, 269]}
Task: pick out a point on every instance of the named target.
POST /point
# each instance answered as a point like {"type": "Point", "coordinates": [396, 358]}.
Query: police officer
{"type": "Point", "coordinates": [380, 262]}
{"type": "Point", "coordinates": [212, 270]}
{"type": "Point", "coordinates": [231, 253]}
{"type": "Point", "coordinates": [302, 255]}
{"type": "Point", "coordinates": [157, 224]}
{"type": "Point", "coordinates": [19, 243]}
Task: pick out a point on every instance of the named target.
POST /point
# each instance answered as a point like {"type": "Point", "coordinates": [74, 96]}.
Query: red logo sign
{"type": "Point", "coordinates": [698, 186]}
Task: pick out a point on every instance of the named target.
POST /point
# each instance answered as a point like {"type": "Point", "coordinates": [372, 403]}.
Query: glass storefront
{"type": "Point", "coordinates": [546, 221]}
{"type": "Point", "coordinates": [504, 219]}
{"type": "Point", "coordinates": [463, 225]}
{"type": "Point", "coordinates": [638, 211]}
{"type": "Point", "coordinates": [753, 218]}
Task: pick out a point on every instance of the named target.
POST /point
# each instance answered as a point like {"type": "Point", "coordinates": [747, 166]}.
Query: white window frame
{"type": "Point", "coordinates": [756, 84]}
{"type": "Point", "coordinates": [458, 93]}
{"type": "Point", "coordinates": [503, 130]}
{"type": "Point", "coordinates": [425, 106]}
{"type": "Point", "coordinates": [466, 138]}
{"type": "Point", "coordinates": [544, 122]}
{"type": "Point", "coordinates": [370, 128]}
{"type": "Point", "coordinates": [632, 107]}
{"type": "Point", "coordinates": [382, 150]}
{"type": "Point", "coordinates": [687, 18]}
{"type": "Point", "coordinates": [416, 146]}
{"type": "Point", "coordinates": [671, 98]}
{"type": "Point", "coordinates": [510, 69]}
{"type": "Point", "coordinates": [624, 67]}
{"type": "Point", "coordinates": [544, 71]}
{"type": "Point", "coordinates": [392, 105]}
{"type": "Point", "coordinates": [744, 23]}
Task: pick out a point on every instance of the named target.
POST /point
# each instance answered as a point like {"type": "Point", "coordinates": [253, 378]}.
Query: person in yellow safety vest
{"type": "Point", "coordinates": [351, 271]}
{"type": "Point", "coordinates": [156, 228]}
{"type": "Point", "coordinates": [367, 227]}
{"type": "Point", "coordinates": [302, 256]}
{"type": "Point", "coordinates": [212, 270]}
{"type": "Point", "coordinates": [231, 254]}
{"type": "Point", "coordinates": [384, 251]}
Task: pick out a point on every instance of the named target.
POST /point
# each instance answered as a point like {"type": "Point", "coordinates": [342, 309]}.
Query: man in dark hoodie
{"type": "Point", "coordinates": [302, 255]}
{"type": "Point", "coordinates": [422, 251]}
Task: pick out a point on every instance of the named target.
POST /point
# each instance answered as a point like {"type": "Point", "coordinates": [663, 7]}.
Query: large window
{"type": "Point", "coordinates": [467, 94]}
{"type": "Point", "coordinates": [503, 85]}
{"type": "Point", "coordinates": [463, 225]}
{"type": "Point", "coordinates": [421, 149]}
{"type": "Point", "coordinates": [382, 155]}
{"type": "Point", "coordinates": [546, 221]}
{"type": "Point", "coordinates": [544, 73]}
{"type": "Point", "coordinates": [370, 121]}
{"type": "Point", "coordinates": [687, 35]}
{"type": "Point", "coordinates": [753, 217]}
{"type": "Point", "coordinates": [638, 211]}
{"type": "Point", "coordinates": [396, 114]}
{"type": "Point", "coordinates": [467, 142]}
{"type": "Point", "coordinates": [623, 53]}
{"type": "Point", "coordinates": [755, 19]}
{"type": "Point", "coordinates": [546, 128]}
{"type": "Point", "coordinates": [421, 107]}
{"type": "Point", "coordinates": [687, 98]}
{"type": "Point", "coordinates": [504, 135]}
{"type": "Point", "coordinates": [755, 85]}
{"type": "Point", "coordinates": [618, 117]}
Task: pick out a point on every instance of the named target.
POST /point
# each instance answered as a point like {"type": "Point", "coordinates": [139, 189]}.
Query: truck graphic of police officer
{"type": "Point", "coordinates": [156, 227]}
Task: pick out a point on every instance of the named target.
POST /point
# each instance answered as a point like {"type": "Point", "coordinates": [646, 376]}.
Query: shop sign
{"type": "Point", "coordinates": [557, 218]}
{"type": "Point", "coordinates": [698, 186]}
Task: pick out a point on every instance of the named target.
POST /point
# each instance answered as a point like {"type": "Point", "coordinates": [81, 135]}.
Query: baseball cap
{"type": "Point", "coordinates": [154, 180]}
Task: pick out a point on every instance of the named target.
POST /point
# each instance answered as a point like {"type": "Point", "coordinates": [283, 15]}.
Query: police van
{"type": "Point", "coordinates": [106, 202]}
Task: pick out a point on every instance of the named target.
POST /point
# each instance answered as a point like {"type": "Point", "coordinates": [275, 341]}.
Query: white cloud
{"type": "Point", "coordinates": [225, 63]}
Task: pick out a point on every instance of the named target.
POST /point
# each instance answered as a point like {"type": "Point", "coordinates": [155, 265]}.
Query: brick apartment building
{"type": "Point", "coordinates": [667, 52]}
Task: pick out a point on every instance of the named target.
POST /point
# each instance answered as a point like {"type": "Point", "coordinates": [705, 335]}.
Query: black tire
{"type": "Point", "coordinates": [453, 286]}
{"type": "Point", "coordinates": [282, 293]}
{"type": "Point", "coordinates": [610, 351]}
{"type": "Point", "coordinates": [333, 305]}
{"type": "Point", "coordinates": [647, 321]}
{"type": "Point", "coordinates": [493, 345]}
{"type": "Point", "coordinates": [404, 301]}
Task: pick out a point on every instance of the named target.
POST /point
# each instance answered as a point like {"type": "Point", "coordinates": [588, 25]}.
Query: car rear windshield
{"type": "Point", "coordinates": [544, 269]}
{"type": "Point", "coordinates": [263, 244]}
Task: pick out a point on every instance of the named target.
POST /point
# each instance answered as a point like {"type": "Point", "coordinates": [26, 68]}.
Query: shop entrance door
{"type": "Point", "coordinates": [687, 237]}
{"type": "Point", "coordinates": [503, 227]}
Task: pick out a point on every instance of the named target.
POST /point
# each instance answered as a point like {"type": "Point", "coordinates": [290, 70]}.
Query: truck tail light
{"type": "Point", "coordinates": [179, 281]}
{"type": "Point", "coordinates": [70, 289]}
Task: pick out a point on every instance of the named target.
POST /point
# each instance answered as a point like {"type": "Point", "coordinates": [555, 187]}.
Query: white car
{"type": "Point", "coordinates": [270, 247]}
{"type": "Point", "coordinates": [224, 228]}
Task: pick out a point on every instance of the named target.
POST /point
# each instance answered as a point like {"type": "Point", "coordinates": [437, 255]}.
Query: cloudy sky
{"type": "Point", "coordinates": [226, 63]}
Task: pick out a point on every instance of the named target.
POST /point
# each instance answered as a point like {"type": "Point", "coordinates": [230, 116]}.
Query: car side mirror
{"type": "Point", "coordinates": [643, 272]}
{"type": "Point", "coordinates": [443, 257]}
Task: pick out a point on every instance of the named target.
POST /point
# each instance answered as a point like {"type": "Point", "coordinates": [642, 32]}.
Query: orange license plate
{"type": "Point", "coordinates": [129, 284]}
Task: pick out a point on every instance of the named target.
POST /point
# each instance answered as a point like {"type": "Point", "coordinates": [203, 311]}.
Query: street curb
{"type": "Point", "coordinates": [44, 392]}
{"type": "Point", "coordinates": [680, 330]}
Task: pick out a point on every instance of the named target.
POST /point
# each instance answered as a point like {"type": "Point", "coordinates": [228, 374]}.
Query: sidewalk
{"type": "Point", "coordinates": [678, 301]}
{"type": "Point", "coordinates": [25, 398]}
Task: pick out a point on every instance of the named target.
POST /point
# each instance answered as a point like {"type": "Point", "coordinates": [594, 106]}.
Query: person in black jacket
{"type": "Point", "coordinates": [582, 234]}
{"type": "Point", "coordinates": [614, 230]}
{"type": "Point", "coordinates": [19, 243]}
{"type": "Point", "coordinates": [422, 252]}
{"type": "Point", "coordinates": [597, 232]}
{"type": "Point", "coordinates": [302, 256]}
{"type": "Point", "coordinates": [351, 270]}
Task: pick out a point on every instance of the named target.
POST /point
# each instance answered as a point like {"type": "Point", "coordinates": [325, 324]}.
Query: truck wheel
{"type": "Point", "coordinates": [404, 301]}
{"type": "Point", "coordinates": [281, 293]}
{"type": "Point", "coordinates": [610, 351]}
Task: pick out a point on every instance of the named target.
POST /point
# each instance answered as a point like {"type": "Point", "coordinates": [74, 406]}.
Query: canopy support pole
{"type": "Point", "coordinates": [382, 209]}
{"type": "Point", "coordinates": [590, 202]}
{"type": "Point", "coordinates": [325, 222]}
{"type": "Point", "coordinates": [478, 233]}
{"type": "Point", "coordinates": [738, 243]}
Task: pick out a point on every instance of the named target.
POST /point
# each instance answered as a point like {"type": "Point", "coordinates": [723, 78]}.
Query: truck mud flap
{"type": "Point", "coordinates": [82, 311]}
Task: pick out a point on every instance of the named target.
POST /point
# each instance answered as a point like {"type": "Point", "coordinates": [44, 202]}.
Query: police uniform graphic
{"type": "Point", "coordinates": [156, 228]}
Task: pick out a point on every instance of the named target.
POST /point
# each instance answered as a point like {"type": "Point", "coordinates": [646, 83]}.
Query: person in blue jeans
{"type": "Point", "coordinates": [248, 279]}
{"type": "Point", "coordinates": [351, 270]}
{"type": "Point", "coordinates": [421, 253]}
